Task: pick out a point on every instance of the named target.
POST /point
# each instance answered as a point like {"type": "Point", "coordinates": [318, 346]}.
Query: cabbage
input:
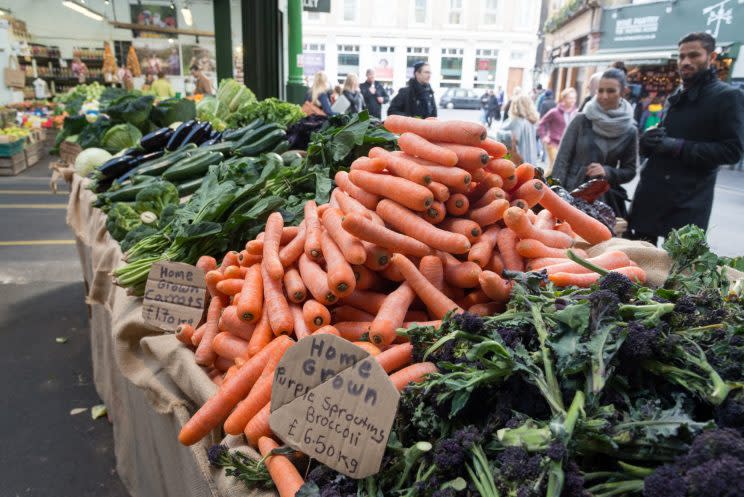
{"type": "Point", "coordinates": [89, 159]}
{"type": "Point", "coordinates": [121, 136]}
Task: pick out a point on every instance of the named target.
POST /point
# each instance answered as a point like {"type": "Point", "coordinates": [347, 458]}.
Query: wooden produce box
{"type": "Point", "coordinates": [68, 152]}
{"type": "Point", "coordinates": [10, 166]}
{"type": "Point", "coordinates": [33, 153]}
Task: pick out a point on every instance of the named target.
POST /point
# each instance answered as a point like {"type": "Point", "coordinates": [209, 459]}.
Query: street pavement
{"type": "Point", "coordinates": [46, 450]}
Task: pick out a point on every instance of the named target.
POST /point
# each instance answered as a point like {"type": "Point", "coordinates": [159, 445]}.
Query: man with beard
{"type": "Point", "coordinates": [374, 94]}
{"type": "Point", "coordinates": [416, 99]}
{"type": "Point", "coordinates": [702, 128]}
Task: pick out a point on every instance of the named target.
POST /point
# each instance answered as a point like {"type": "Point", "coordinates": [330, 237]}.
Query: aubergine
{"type": "Point", "coordinates": [113, 168]}
{"type": "Point", "coordinates": [134, 152]}
{"type": "Point", "coordinates": [157, 140]}
{"type": "Point", "coordinates": [211, 141]}
{"type": "Point", "coordinates": [215, 135]}
{"type": "Point", "coordinates": [198, 134]}
{"type": "Point", "coordinates": [180, 134]}
{"type": "Point", "coordinates": [136, 163]}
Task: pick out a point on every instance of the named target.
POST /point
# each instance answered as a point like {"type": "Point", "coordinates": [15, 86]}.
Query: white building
{"type": "Point", "coordinates": [469, 43]}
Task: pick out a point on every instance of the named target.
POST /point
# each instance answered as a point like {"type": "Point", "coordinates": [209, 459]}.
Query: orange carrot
{"type": "Point", "coordinates": [465, 227]}
{"type": "Point", "coordinates": [341, 280]}
{"type": "Point", "coordinates": [413, 144]}
{"type": "Point", "coordinates": [432, 268]}
{"type": "Point", "coordinates": [613, 259]}
{"type": "Point", "coordinates": [532, 249]}
{"type": "Point", "coordinates": [441, 192]}
{"type": "Point", "coordinates": [254, 247]}
{"type": "Point", "coordinates": [391, 313]}
{"type": "Point", "coordinates": [544, 220]}
{"type": "Point", "coordinates": [366, 279]}
{"type": "Point", "coordinates": [437, 303]}
{"type": "Point", "coordinates": [367, 199]}
{"type": "Point", "coordinates": [480, 175]}
{"type": "Point", "coordinates": [493, 193]}
{"type": "Point", "coordinates": [454, 177]}
{"type": "Point", "coordinates": [288, 234]}
{"type": "Point", "coordinates": [294, 286]}
{"type": "Point", "coordinates": [490, 214]}
{"type": "Point", "coordinates": [524, 172]}
{"type": "Point", "coordinates": [468, 157]}
{"type": "Point", "coordinates": [585, 226]}
{"type": "Point", "coordinates": [259, 426]}
{"type": "Point", "coordinates": [414, 315]}
{"type": "Point", "coordinates": [184, 332]}
{"type": "Point", "coordinates": [531, 191]}
{"type": "Point", "coordinates": [520, 204]}
{"type": "Point", "coordinates": [415, 373]}
{"type": "Point", "coordinates": [229, 346]}
{"type": "Point", "coordinates": [205, 354]}
{"type": "Point", "coordinates": [395, 357]}
{"type": "Point", "coordinates": [206, 263]}
{"type": "Point", "coordinates": [467, 133]}
{"type": "Point", "coordinates": [409, 224]}
{"type": "Point", "coordinates": [262, 335]}
{"type": "Point", "coordinates": [435, 213]}
{"type": "Point", "coordinates": [378, 257]}
{"type": "Point", "coordinates": [349, 205]}
{"type": "Point", "coordinates": [349, 313]}
{"type": "Point", "coordinates": [251, 298]}
{"type": "Point", "coordinates": [495, 149]}
{"type": "Point", "coordinates": [354, 330]}
{"type": "Point", "coordinates": [564, 227]}
{"type": "Point", "coordinates": [588, 279]}
{"type": "Point", "coordinates": [223, 363]}
{"type": "Point", "coordinates": [198, 335]}
{"type": "Point", "coordinates": [364, 229]}
{"type": "Point", "coordinates": [480, 253]}
{"type": "Point", "coordinates": [230, 286]}
{"type": "Point", "coordinates": [391, 273]}
{"type": "Point", "coordinates": [402, 167]}
{"type": "Point", "coordinates": [271, 262]}
{"type": "Point", "coordinates": [370, 348]}
{"type": "Point", "coordinates": [315, 315]}
{"type": "Point", "coordinates": [493, 285]}
{"type": "Point", "coordinates": [461, 274]}
{"type": "Point", "coordinates": [503, 167]}
{"type": "Point", "coordinates": [486, 309]}
{"type": "Point", "coordinates": [231, 272]}
{"type": "Point", "coordinates": [541, 262]}
{"type": "Point", "coordinates": [316, 281]}
{"type": "Point", "coordinates": [277, 308]}
{"type": "Point", "coordinates": [230, 322]}
{"type": "Point", "coordinates": [312, 230]}
{"type": "Point", "coordinates": [457, 205]}
{"type": "Point", "coordinates": [496, 264]}
{"type": "Point", "coordinates": [406, 192]}
{"type": "Point", "coordinates": [327, 330]}
{"type": "Point", "coordinates": [284, 474]}
{"type": "Point", "coordinates": [507, 243]}
{"type": "Point", "coordinates": [300, 327]}
{"type": "Point", "coordinates": [367, 164]}
{"type": "Point", "coordinates": [230, 259]}
{"type": "Point", "coordinates": [292, 251]}
{"type": "Point", "coordinates": [518, 221]}
{"type": "Point", "coordinates": [212, 278]}
{"type": "Point", "coordinates": [475, 297]}
{"type": "Point", "coordinates": [247, 259]}
{"type": "Point", "coordinates": [349, 245]}
{"type": "Point", "coordinates": [370, 302]}
{"type": "Point", "coordinates": [217, 407]}
{"type": "Point", "coordinates": [510, 183]}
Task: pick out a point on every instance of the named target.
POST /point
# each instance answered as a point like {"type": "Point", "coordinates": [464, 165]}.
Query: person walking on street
{"type": "Point", "coordinates": [702, 129]}
{"type": "Point", "coordinates": [417, 98]}
{"type": "Point", "coordinates": [318, 95]}
{"type": "Point", "coordinates": [202, 85]}
{"type": "Point", "coordinates": [601, 142]}
{"type": "Point", "coordinates": [162, 87]}
{"type": "Point", "coordinates": [553, 125]}
{"type": "Point", "coordinates": [547, 103]}
{"type": "Point", "coordinates": [484, 106]}
{"type": "Point", "coordinates": [494, 109]}
{"type": "Point", "coordinates": [519, 131]}
{"type": "Point", "coordinates": [374, 94]}
{"type": "Point", "coordinates": [350, 101]}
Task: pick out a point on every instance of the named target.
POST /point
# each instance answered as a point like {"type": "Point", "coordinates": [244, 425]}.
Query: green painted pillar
{"type": "Point", "coordinates": [223, 39]}
{"type": "Point", "coordinates": [296, 88]}
{"type": "Point", "coordinates": [262, 47]}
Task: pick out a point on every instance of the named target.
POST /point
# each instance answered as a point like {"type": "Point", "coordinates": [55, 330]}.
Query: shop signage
{"type": "Point", "coordinates": [334, 402]}
{"type": "Point", "coordinates": [313, 62]}
{"type": "Point", "coordinates": [175, 293]}
{"type": "Point", "coordinates": [316, 5]}
{"type": "Point", "coordinates": [662, 24]}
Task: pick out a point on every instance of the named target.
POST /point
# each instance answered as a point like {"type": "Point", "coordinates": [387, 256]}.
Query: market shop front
{"type": "Point", "coordinates": [645, 38]}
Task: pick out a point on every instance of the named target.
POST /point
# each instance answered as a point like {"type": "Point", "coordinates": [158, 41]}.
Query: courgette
{"type": "Point", "coordinates": [281, 147]}
{"type": "Point", "coordinates": [290, 156]}
{"type": "Point", "coordinates": [256, 134]}
{"type": "Point", "coordinates": [193, 167]}
{"type": "Point", "coordinates": [189, 187]}
{"type": "Point", "coordinates": [128, 193]}
{"type": "Point", "coordinates": [237, 134]}
{"type": "Point", "coordinates": [223, 147]}
{"type": "Point", "coordinates": [157, 167]}
{"type": "Point", "coordinates": [264, 144]}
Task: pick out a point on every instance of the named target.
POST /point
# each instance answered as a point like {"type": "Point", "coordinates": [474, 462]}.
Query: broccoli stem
{"type": "Point", "coordinates": [617, 488]}
{"type": "Point", "coordinates": [555, 398]}
{"type": "Point", "coordinates": [583, 262]}
{"type": "Point", "coordinates": [556, 475]}
{"type": "Point", "coordinates": [411, 456]}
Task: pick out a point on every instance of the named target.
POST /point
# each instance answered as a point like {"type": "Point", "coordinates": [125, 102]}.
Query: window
{"type": "Point", "coordinates": [524, 16]}
{"type": "Point", "coordinates": [383, 14]}
{"type": "Point", "coordinates": [451, 66]}
{"type": "Point", "coordinates": [485, 67]}
{"type": "Point", "coordinates": [518, 56]}
{"type": "Point", "coordinates": [413, 55]}
{"type": "Point", "coordinates": [383, 60]}
{"type": "Point", "coordinates": [455, 13]}
{"type": "Point", "coordinates": [348, 61]}
{"type": "Point", "coordinates": [350, 10]}
{"type": "Point", "coordinates": [420, 11]}
{"type": "Point", "coordinates": [492, 12]}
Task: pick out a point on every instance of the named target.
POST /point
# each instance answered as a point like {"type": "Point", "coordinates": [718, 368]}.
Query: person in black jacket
{"type": "Point", "coordinates": [702, 128]}
{"type": "Point", "coordinates": [417, 98]}
{"type": "Point", "coordinates": [374, 94]}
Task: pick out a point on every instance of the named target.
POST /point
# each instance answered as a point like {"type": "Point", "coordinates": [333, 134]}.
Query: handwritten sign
{"type": "Point", "coordinates": [334, 402]}
{"type": "Point", "coordinates": [175, 293]}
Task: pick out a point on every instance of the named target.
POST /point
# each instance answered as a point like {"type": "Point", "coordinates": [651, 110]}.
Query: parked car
{"type": "Point", "coordinates": [460, 98]}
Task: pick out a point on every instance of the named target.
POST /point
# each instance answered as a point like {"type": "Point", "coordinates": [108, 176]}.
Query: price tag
{"type": "Point", "coordinates": [334, 402]}
{"type": "Point", "coordinates": [175, 293]}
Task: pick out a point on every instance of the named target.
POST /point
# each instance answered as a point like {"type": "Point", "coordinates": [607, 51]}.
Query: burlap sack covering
{"type": "Point", "coordinates": [655, 261]}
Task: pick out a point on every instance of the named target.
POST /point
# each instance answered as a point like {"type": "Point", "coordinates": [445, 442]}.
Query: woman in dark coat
{"type": "Point", "coordinates": [601, 142]}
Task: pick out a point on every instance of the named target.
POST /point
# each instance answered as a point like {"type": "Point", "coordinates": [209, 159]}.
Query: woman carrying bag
{"type": "Point", "coordinates": [518, 133]}
{"type": "Point", "coordinates": [351, 100]}
{"type": "Point", "coordinates": [601, 142]}
{"type": "Point", "coordinates": [317, 101]}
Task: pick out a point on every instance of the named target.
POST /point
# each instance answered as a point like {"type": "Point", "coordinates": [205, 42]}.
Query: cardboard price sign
{"type": "Point", "coordinates": [175, 293]}
{"type": "Point", "coordinates": [334, 402]}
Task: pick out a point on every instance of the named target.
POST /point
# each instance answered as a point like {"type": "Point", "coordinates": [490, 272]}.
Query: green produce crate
{"type": "Point", "coordinates": [12, 148]}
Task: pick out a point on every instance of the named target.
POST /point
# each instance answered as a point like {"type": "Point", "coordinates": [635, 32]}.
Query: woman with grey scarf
{"type": "Point", "coordinates": [601, 142]}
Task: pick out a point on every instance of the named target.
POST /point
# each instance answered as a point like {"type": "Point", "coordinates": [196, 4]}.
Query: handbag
{"type": "Point", "coordinates": [507, 137]}
{"type": "Point", "coordinates": [310, 109]}
{"type": "Point", "coordinates": [341, 104]}
{"type": "Point", "coordinates": [15, 77]}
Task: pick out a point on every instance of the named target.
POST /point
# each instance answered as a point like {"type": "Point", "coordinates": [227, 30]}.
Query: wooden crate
{"type": "Point", "coordinates": [33, 154]}
{"type": "Point", "coordinates": [68, 152]}
{"type": "Point", "coordinates": [10, 166]}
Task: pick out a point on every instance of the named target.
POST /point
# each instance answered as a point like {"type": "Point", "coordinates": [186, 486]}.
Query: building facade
{"type": "Point", "coordinates": [475, 44]}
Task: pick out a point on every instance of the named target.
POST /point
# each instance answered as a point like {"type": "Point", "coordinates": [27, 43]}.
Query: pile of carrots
{"type": "Point", "coordinates": [407, 237]}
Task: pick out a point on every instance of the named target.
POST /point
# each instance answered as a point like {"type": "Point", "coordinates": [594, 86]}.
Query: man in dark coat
{"type": "Point", "coordinates": [417, 98]}
{"type": "Point", "coordinates": [702, 128]}
{"type": "Point", "coordinates": [374, 94]}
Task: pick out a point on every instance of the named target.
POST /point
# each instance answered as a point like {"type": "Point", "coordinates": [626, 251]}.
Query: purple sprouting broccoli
{"type": "Point", "coordinates": [666, 481]}
{"type": "Point", "coordinates": [718, 478]}
{"type": "Point", "coordinates": [450, 453]}
{"type": "Point", "coordinates": [639, 344]}
{"type": "Point", "coordinates": [618, 284]}
{"type": "Point", "coordinates": [730, 414]}
{"type": "Point", "coordinates": [469, 322]}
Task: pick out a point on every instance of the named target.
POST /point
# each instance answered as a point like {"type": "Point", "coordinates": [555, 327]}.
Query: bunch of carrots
{"type": "Point", "coordinates": [407, 237]}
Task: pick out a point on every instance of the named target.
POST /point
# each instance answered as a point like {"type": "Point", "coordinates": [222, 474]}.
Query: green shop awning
{"type": "Point", "coordinates": [651, 57]}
